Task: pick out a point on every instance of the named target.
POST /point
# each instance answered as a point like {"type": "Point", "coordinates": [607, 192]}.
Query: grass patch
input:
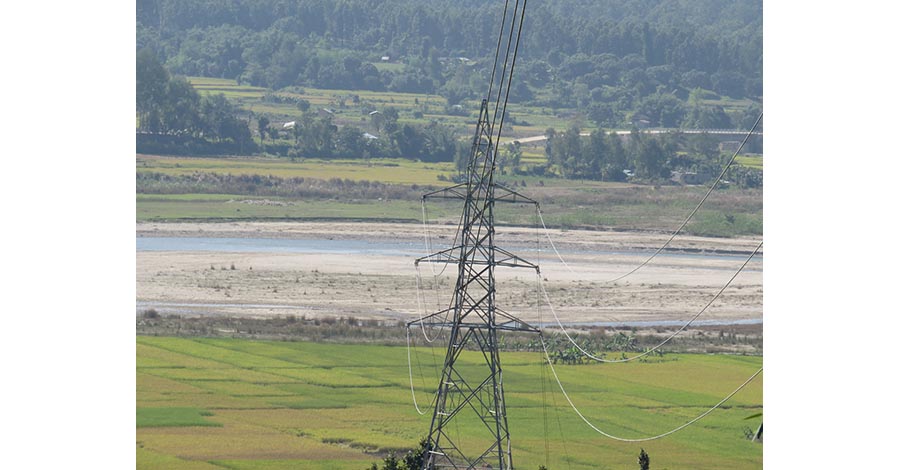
{"type": "Point", "coordinates": [177, 417]}
{"type": "Point", "coordinates": [164, 208]}
{"type": "Point", "coordinates": [150, 460]}
{"type": "Point", "coordinates": [390, 190]}
{"type": "Point", "coordinates": [724, 224]}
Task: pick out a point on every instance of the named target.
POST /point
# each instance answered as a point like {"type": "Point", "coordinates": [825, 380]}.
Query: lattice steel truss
{"type": "Point", "coordinates": [467, 389]}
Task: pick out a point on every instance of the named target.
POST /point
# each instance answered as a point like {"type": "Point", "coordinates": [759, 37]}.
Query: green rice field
{"type": "Point", "coordinates": [206, 403]}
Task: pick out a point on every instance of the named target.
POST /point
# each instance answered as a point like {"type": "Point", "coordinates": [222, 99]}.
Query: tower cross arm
{"type": "Point", "coordinates": [422, 320]}
{"type": "Point", "coordinates": [457, 191]}
{"type": "Point", "coordinates": [502, 258]}
{"type": "Point", "coordinates": [513, 323]}
{"type": "Point", "coordinates": [504, 194]}
{"type": "Point", "coordinates": [507, 259]}
{"type": "Point", "coordinates": [443, 256]}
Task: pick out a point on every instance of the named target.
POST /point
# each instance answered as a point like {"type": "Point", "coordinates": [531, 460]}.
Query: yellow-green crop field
{"type": "Point", "coordinates": [750, 161]}
{"type": "Point", "coordinates": [207, 403]}
{"type": "Point", "coordinates": [382, 170]}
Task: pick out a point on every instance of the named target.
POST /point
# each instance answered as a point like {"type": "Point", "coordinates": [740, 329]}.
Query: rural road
{"type": "Point", "coordinates": [732, 132]}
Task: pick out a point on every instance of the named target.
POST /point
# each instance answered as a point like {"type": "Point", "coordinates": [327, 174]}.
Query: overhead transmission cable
{"type": "Point", "coordinates": [669, 338]}
{"type": "Point", "coordinates": [497, 51]}
{"type": "Point", "coordinates": [643, 439]}
{"type": "Point", "coordinates": [512, 66]}
{"type": "Point", "coordinates": [412, 388]}
{"type": "Point", "coordinates": [429, 245]}
{"type": "Point", "coordinates": [562, 436]}
{"type": "Point", "coordinates": [421, 308]}
{"type": "Point", "coordinates": [683, 224]}
{"type": "Point", "coordinates": [421, 302]}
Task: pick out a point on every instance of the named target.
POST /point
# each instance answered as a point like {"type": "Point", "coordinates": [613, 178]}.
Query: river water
{"type": "Point", "coordinates": [355, 247]}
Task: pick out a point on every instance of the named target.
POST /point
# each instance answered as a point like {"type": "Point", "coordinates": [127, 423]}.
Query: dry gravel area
{"type": "Point", "coordinates": [673, 287]}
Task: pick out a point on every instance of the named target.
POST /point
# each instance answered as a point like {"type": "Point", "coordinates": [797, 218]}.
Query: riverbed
{"type": "Point", "coordinates": [367, 271]}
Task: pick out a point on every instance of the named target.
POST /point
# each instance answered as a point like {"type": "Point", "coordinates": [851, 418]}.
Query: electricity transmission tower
{"type": "Point", "coordinates": [469, 429]}
{"type": "Point", "coordinates": [474, 320]}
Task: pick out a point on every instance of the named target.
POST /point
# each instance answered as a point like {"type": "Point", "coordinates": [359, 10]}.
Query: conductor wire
{"type": "Point", "coordinates": [669, 338]}
{"type": "Point", "coordinates": [643, 439]}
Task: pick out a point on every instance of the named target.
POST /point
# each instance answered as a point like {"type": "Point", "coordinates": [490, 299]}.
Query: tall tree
{"type": "Point", "coordinates": [180, 108]}
{"type": "Point", "coordinates": [262, 124]}
{"type": "Point", "coordinates": [152, 79]}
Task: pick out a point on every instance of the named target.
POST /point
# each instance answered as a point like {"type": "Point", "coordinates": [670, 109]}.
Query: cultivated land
{"type": "Point", "coordinates": [353, 107]}
{"type": "Point", "coordinates": [525, 120]}
{"type": "Point", "coordinates": [384, 170]}
{"type": "Point", "coordinates": [240, 404]}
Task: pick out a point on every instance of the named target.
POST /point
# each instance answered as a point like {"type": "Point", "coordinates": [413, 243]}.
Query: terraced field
{"type": "Point", "coordinates": [239, 404]}
{"type": "Point", "coordinates": [350, 106]}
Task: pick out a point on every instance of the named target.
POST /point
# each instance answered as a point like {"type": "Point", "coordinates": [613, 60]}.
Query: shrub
{"type": "Point", "coordinates": [644, 460]}
{"type": "Point", "coordinates": [151, 313]}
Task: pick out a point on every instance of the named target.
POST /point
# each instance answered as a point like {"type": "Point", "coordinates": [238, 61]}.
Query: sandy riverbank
{"type": "Point", "coordinates": [670, 288]}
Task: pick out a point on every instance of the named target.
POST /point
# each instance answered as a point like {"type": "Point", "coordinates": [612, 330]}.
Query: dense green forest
{"type": "Point", "coordinates": [614, 61]}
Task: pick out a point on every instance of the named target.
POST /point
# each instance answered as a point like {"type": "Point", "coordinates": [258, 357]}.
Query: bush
{"type": "Point", "coordinates": [151, 314]}
{"type": "Point", "coordinates": [161, 144]}
{"type": "Point", "coordinates": [644, 460]}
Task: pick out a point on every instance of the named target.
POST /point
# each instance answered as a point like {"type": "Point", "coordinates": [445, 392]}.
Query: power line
{"type": "Point", "coordinates": [559, 425]}
{"type": "Point", "coordinates": [421, 308]}
{"type": "Point", "coordinates": [429, 245]}
{"type": "Point", "coordinates": [497, 51]}
{"type": "Point", "coordinates": [683, 224]}
{"type": "Point", "coordinates": [412, 389]}
{"type": "Point", "coordinates": [512, 67]}
{"type": "Point", "coordinates": [644, 439]}
{"type": "Point", "coordinates": [654, 348]}
{"type": "Point", "coordinates": [691, 215]}
{"type": "Point", "coordinates": [429, 249]}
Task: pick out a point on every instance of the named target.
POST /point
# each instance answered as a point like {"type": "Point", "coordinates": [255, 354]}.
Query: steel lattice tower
{"type": "Point", "coordinates": [467, 389]}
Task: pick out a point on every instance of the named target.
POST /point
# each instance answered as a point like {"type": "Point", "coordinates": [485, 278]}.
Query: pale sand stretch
{"type": "Point", "coordinates": [671, 288]}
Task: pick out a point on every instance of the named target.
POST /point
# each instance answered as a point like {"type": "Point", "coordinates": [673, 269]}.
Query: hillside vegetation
{"type": "Point", "coordinates": [611, 60]}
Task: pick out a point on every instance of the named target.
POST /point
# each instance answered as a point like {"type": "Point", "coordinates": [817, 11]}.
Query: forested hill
{"type": "Point", "coordinates": [609, 58]}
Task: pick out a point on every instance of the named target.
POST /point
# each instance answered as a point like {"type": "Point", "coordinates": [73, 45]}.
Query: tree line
{"type": "Point", "coordinates": [316, 135]}
{"type": "Point", "coordinates": [170, 106]}
{"type": "Point", "coordinates": [612, 60]}
{"type": "Point", "coordinates": [174, 118]}
{"type": "Point", "coordinates": [606, 156]}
